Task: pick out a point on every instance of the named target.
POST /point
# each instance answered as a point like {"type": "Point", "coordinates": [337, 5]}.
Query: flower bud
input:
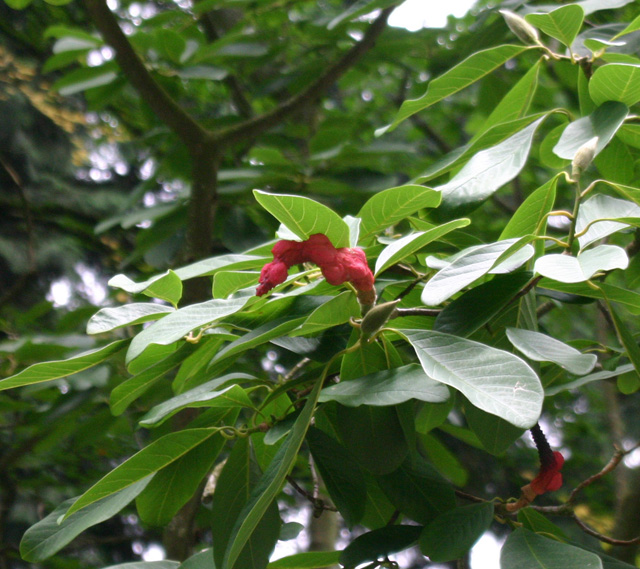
{"type": "Point", "coordinates": [583, 157]}
{"type": "Point", "coordinates": [376, 318]}
{"type": "Point", "coordinates": [520, 27]}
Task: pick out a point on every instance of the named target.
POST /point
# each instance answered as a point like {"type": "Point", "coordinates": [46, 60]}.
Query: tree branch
{"type": "Point", "coordinates": [259, 124]}
{"type": "Point", "coordinates": [178, 120]}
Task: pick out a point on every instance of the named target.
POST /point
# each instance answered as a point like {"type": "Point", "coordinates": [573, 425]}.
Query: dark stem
{"type": "Point", "coordinates": [547, 459]}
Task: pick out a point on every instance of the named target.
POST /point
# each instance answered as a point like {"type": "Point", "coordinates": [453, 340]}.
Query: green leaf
{"type": "Point", "coordinates": [18, 4]}
{"type": "Point", "coordinates": [85, 78]}
{"type": "Point", "coordinates": [47, 537]}
{"type": "Point", "coordinates": [515, 104]}
{"type": "Point", "coordinates": [128, 391]}
{"type": "Point", "coordinates": [208, 267]}
{"type": "Point", "coordinates": [178, 324]}
{"type": "Point", "coordinates": [359, 8]}
{"type": "Point", "coordinates": [46, 371]}
{"type": "Point", "coordinates": [537, 522]}
{"type": "Point", "coordinates": [493, 380]}
{"type": "Point", "coordinates": [147, 565]}
{"type": "Point", "coordinates": [632, 27]}
{"type": "Point", "coordinates": [599, 375]}
{"type": "Point", "coordinates": [466, 268]}
{"type": "Point", "coordinates": [630, 299]}
{"type": "Point", "coordinates": [472, 69]}
{"type": "Point", "coordinates": [108, 319]}
{"type": "Point", "coordinates": [374, 436]}
{"type": "Point", "coordinates": [495, 434]}
{"type": "Point", "coordinates": [542, 348]}
{"type": "Point", "coordinates": [159, 454]}
{"type": "Point", "coordinates": [477, 306]}
{"type": "Point", "coordinates": [410, 244]}
{"type": "Point", "coordinates": [271, 482]}
{"type": "Point", "coordinates": [335, 311]}
{"type": "Point", "coordinates": [308, 560]}
{"type": "Point", "coordinates": [167, 286]}
{"type": "Point", "coordinates": [228, 282]}
{"type": "Point", "coordinates": [305, 217]}
{"type": "Point", "coordinates": [530, 217]}
{"type": "Point", "coordinates": [626, 338]}
{"type": "Point", "coordinates": [201, 560]}
{"type": "Point", "coordinates": [563, 23]}
{"type": "Point", "coordinates": [173, 486]}
{"type": "Point", "coordinates": [528, 550]}
{"type": "Point", "coordinates": [603, 123]}
{"type": "Point", "coordinates": [341, 475]}
{"type": "Point", "coordinates": [387, 387]}
{"type": "Point", "coordinates": [601, 206]}
{"type": "Point", "coordinates": [432, 415]}
{"type": "Point", "coordinates": [444, 460]}
{"type": "Point", "coordinates": [616, 82]}
{"type": "Point", "coordinates": [233, 492]}
{"type": "Point", "coordinates": [378, 544]}
{"type": "Point", "coordinates": [390, 206]}
{"type": "Point", "coordinates": [418, 491]}
{"type": "Point", "coordinates": [452, 534]}
{"type": "Point", "coordinates": [204, 395]}
{"type": "Point", "coordinates": [582, 267]}
{"type": "Point", "coordinates": [488, 170]}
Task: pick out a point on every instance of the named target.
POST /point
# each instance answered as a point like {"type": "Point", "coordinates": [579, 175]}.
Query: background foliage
{"type": "Point", "coordinates": [464, 161]}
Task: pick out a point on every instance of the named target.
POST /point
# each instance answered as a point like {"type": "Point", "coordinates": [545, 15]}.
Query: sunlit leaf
{"type": "Point", "coordinates": [563, 23]}
{"type": "Point", "coordinates": [582, 267]}
{"type": "Point", "coordinates": [616, 82]}
{"type": "Point", "coordinates": [108, 319]}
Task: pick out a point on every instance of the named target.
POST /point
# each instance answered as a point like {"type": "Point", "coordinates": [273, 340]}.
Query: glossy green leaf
{"type": "Point", "coordinates": [47, 537]}
{"type": "Point", "coordinates": [378, 544]}
{"type": "Point", "coordinates": [616, 82]}
{"type": "Point", "coordinates": [410, 244]}
{"type": "Point", "coordinates": [208, 267]}
{"type": "Point", "coordinates": [432, 415]}
{"type": "Point", "coordinates": [204, 395]}
{"type": "Point", "coordinates": [228, 282]}
{"type": "Point", "coordinates": [387, 387]}
{"type": "Point", "coordinates": [18, 4]}
{"type": "Point", "coordinates": [563, 23]}
{"type": "Point", "coordinates": [233, 490]}
{"type": "Point", "coordinates": [271, 482]}
{"type": "Point", "coordinates": [603, 123]}
{"type": "Point", "coordinates": [515, 104]}
{"type": "Point", "coordinates": [305, 217]}
{"type": "Point", "coordinates": [472, 69]}
{"type": "Point", "coordinates": [159, 454]}
{"type": "Point", "coordinates": [601, 206]}
{"type": "Point", "coordinates": [46, 371]}
{"type": "Point", "coordinates": [191, 369]}
{"type": "Point", "coordinates": [527, 550]}
{"type": "Point", "coordinates": [632, 27]}
{"type": "Point", "coordinates": [628, 298]}
{"type": "Point", "coordinates": [466, 268]}
{"type": "Point", "coordinates": [582, 267]}
{"type": "Point", "coordinates": [341, 475]}
{"type": "Point", "coordinates": [388, 207]}
{"type": "Point", "coordinates": [452, 534]}
{"type": "Point", "coordinates": [167, 286]}
{"type": "Point", "coordinates": [477, 306]}
{"type": "Point", "coordinates": [495, 434]}
{"type": "Point", "coordinates": [201, 560]}
{"type": "Point", "coordinates": [178, 324]}
{"type": "Point", "coordinates": [418, 491]}
{"type": "Point", "coordinates": [444, 460]}
{"type": "Point", "coordinates": [537, 522]}
{"type": "Point", "coordinates": [335, 311]}
{"type": "Point", "coordinates": [108, 319]}
{"type": "Point", "coordinates": [530, 217]}
{"type": "Point", "coordinates": [542, 348]}
{"type": "Point", "coordinates": [493, 380]}
{"type": "Point", "coordinates": [128, 391]}
{"type": "Point", "coordinates": [307, 560]}
{"type": "Point", "coordinates": [488, 170]}
{"type": "Point", "coordinates": [173, 486]}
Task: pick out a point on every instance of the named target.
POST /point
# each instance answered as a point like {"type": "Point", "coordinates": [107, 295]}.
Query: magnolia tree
{"type": "Point", "coordinates": [397, 334]}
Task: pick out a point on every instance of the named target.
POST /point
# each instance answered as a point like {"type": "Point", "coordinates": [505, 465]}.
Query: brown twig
{"type": "Point", "coordinates": [603, 538]}
{"type": "Point", "coordinates": [400, 312]}
{"type": "Point", "coordinates": [317, 503]}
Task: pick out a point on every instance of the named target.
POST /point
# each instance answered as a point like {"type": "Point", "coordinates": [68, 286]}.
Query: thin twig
{"type": "Point", "coordinates": [317, 503]}
{"type": "Point", "coordinates": [400, 312]}
{"type": "Point", "coordinates": [605, 539]}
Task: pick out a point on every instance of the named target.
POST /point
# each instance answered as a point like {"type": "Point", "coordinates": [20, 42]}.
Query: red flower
{"type": "Point", "coordinates": [337, 265]}
{"type": "Point", "coordinates": [549, 478]}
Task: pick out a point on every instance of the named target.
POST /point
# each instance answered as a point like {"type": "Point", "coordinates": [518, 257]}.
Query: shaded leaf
{"type": "Point", "coordinates": [495, 434]}
{"type": "Point", "coordinates": [308, 560]}
{"type": "Point", "coordinates": [452, 534]}
{"type": "Point", "coordinates": [527, 550]}
{"type": "Point", "coordinates": [47, 537]}
{"type": "Point", "coordinates": [378, 544]}
{"type": "Point", "coordinates": [530, 217]}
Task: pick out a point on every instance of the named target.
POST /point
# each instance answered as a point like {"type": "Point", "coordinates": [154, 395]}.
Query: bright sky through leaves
{"type": "Point", "coordinates": [416, 14]}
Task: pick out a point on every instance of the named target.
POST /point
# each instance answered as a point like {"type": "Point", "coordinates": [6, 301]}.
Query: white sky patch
{"type": "Point", "coordinates": [486, 553]}
{"type": "Point", "coordinates": [417, 14]}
